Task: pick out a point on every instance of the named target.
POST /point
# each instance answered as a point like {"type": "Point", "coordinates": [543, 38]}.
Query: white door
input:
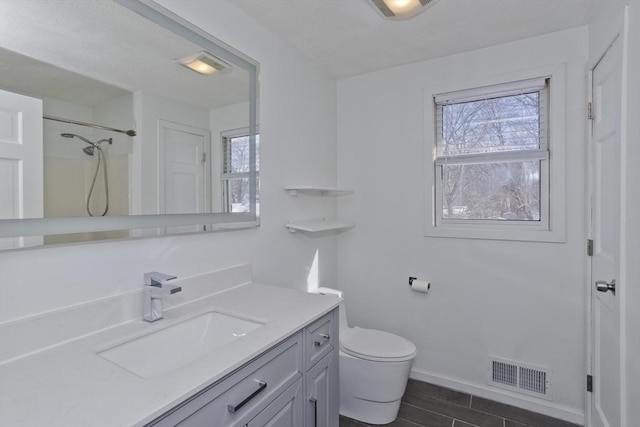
{"type": "Point", "coordinates": [184, 177]}
{"type": "Point", "coordinates": [605, 228]}
{"type": "Point", "coordinates": [21, 185]}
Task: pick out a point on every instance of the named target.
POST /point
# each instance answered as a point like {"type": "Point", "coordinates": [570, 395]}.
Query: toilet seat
{"type": "Point", "coordinates": [374, 345]}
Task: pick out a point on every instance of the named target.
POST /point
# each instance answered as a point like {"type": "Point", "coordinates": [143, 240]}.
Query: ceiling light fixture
{"type": "Point", "coordinates": [203, 63]}
{"type": "Point", "coordinates": [400, 9]}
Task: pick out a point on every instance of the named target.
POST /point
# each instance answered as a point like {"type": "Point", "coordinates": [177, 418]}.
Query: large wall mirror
{"type": "Point", "coordinates": [119, 119]}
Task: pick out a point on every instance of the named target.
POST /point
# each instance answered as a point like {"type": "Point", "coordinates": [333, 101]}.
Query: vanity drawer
{"type": "Point", "coordinates": [236, 399]}
{"type": "Point", "coordinates": [320, 339]}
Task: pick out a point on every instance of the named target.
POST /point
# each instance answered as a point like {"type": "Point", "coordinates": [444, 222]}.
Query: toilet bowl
{"type": "Point", "coordinates": [374, 369]}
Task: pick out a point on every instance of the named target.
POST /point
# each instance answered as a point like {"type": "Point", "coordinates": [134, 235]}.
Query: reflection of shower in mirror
{"type": "Point", "coordinates": [90, 150]}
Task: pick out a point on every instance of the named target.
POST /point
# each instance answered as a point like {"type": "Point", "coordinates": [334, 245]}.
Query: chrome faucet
{"type": "Point", "coordinates": [155, 284]}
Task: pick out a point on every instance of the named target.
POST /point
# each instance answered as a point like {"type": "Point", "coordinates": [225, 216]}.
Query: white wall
{"type": "Point", "coordinates": [116, 113]}
{"type": "Point", "coordinates": [518, 300]}
{"type": "Point", "coordinates": [298, 131]}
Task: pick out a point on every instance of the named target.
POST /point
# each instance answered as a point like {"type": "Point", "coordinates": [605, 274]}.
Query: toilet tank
{"type": "Point", "coordinates": [342, 310]}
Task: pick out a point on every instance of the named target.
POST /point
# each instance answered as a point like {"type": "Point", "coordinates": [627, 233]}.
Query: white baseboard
{"type": "Point", "coordinates": [503, 396]}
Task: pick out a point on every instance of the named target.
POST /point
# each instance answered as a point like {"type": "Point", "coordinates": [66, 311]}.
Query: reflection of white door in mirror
{"type": "Point", "coordinates": [184, 184]}
{"type": "Point", "coordinates": [20, 163]}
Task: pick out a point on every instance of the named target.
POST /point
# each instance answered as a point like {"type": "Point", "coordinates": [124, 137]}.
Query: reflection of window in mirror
{"type": "Point", "coordinates": [235, 171]}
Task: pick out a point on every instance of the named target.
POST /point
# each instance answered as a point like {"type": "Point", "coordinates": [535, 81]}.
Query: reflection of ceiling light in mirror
{"type": "Point", "coordinates": [400, 9]}
{"type": "Point", "coordinates": [203, 63]}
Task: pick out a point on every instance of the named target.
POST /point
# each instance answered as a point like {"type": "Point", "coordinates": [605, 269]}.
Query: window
{"type": "Point", "coordinates": [235, 171]}
{"type": "Point", "coordinates": [491, 163]}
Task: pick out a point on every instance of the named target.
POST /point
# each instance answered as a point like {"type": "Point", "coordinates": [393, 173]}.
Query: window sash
{"type": "Point", "coordinates": [235, 175]}
{"type": "Point", "coordinates": [488, 92]}
{"type": "Point", "coordinates": [539, 86]}
{"type": "Point", "coordinates": [227, 154]}
{"type": "Point", "coordinates": [493, 157]}
{"type": "Point", "coordinates": [227, 177]}
{"type": "Point", "coordinates": [495, 154]}
{"type": "Point", "coordinates": [545, 205]}
{"type": "Point", "coordinates": [227, 138]}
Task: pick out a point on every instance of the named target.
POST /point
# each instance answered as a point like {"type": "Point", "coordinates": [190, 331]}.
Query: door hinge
{"type": "Point", "coordinates": [590, 247]}
{"type": "Point", "coordinates": [204, 157]}
{"type": "Point", "coordinates": [589, 383]}
{"type": "Point", "coordinates": [589, 111]}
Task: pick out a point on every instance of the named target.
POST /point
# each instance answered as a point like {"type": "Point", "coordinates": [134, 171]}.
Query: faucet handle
{"type": "Point", "coordinates": [155, 278]}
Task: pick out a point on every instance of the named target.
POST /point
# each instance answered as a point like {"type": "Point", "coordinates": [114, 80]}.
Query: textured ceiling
{"type": "Point", "coordinates": [21, 74]}
{"type": "Point", "coordinates": [348, 37]}
{"type": "Point", "coordinates": [121, 51]}
{"type": "Point", "coordinates": [89, 51]}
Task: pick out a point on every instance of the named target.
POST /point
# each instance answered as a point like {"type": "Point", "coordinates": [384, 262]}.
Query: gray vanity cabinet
{"type": "Point", "coordinates": [321, 372]}
{"type": "Point", "coordinates": [285, 411]}
{"type": "Point", "coordinates": [321, 388]}
{"type": "Point", "coordinates": [293, 384]}
{"type": "Point", "coordinates": [238, 398]}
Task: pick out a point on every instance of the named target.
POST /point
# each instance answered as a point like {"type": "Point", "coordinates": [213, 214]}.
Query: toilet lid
{"type": "Point", "coordinates": [376, 345]}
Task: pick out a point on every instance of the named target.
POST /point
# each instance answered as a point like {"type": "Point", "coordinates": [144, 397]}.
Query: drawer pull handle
{"type": "Point", "coordinates": [325, 338]}
{"type": "Point", "coordinates": [236, 408]}
{"type": "Point", "coordinates": [315, 411]}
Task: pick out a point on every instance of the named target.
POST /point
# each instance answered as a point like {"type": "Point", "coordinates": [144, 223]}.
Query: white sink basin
{"type": "Point", "coordinates": [164, 350]}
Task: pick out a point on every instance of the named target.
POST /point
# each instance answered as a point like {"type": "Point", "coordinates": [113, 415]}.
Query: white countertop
{"type": "Point", "coordinates": [70, 385]}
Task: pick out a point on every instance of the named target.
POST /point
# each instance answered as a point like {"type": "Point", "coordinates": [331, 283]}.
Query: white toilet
{"type": "Point", "coordinates": [374, 369]}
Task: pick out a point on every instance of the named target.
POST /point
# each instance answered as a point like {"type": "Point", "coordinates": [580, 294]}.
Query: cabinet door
{"type": "Point", "coordinates": [321, 393]}
{"type": "Point", "coordinates": [285, 411]}
{"type": "Point", "coordinates": [236, 399]}
{"type": "Point", "coordinates": [320, 338]}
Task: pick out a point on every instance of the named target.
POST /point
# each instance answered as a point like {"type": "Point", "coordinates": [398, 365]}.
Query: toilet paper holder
{"type": "Point", "coordinates": [411, 279]}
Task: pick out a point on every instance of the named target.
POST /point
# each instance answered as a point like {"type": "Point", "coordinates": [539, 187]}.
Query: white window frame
{"type": "Point", "coordinates": [551, 227]}
{"type": "Point", "coordinates": [226, 177]}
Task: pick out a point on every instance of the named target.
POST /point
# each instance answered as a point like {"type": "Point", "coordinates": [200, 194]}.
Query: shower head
{"type": "Point", "coordinates": [73, 135]}
{"type": "Point", "coordinates": [90, 150]}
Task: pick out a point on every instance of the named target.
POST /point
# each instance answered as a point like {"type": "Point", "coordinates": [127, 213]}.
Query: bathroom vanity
{"type": "Point", "coordinates": [292, 384]}
{"type": "Point", "coordinates": [85, 366]}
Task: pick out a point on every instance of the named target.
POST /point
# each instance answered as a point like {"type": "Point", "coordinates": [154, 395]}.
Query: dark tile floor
{"type": "Point", "coordinates": [428, 405]}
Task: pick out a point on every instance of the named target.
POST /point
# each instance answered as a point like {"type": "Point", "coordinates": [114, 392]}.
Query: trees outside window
{"type": "Point", "coordinates": [235, 171]}
{"type": "Point", "coordinates": [492, 153]}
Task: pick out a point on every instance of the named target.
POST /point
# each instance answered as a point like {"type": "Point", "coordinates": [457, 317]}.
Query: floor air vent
{"type": "Point", "coordinates": [520, 377]}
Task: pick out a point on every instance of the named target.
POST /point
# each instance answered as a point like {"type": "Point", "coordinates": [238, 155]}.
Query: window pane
{"type": "Point", "coordinates": [492, 191]}
{"type": "Point", "coordinates": [237, 154]}
{"type": "Point", "coordinates": [497, 124]}
{"type": "Point", "coordinates": [237, 195]}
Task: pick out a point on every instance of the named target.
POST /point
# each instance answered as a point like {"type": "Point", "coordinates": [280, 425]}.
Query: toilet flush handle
{"type": "Point", "coordinates": [325, 339]}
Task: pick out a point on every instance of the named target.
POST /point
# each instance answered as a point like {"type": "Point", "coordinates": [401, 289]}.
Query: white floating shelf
{"type": "Point", "coordinates": [322, 191]}
{"type": "Point", "coordinates": [314, 226]}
